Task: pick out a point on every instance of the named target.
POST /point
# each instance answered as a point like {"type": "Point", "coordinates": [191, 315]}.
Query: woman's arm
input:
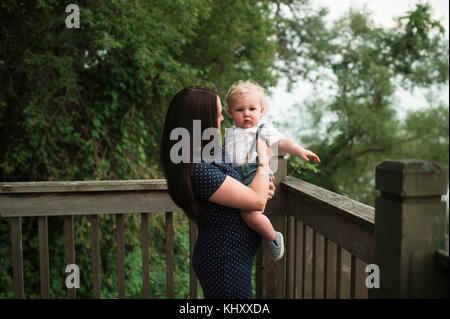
{"type": "Point", "coordinates": [233, 193]}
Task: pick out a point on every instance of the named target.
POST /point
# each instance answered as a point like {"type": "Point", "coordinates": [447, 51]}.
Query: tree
{"type": "Point", "coordinates": [89, 103]}
{"type": "Point", "coordinates": [425, 135]}
{"type": "Point", "coordinates": [364, 65]}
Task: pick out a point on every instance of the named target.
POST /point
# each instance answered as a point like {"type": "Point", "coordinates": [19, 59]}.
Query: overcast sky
{"type": "Point", "coordinates": [383, 12]}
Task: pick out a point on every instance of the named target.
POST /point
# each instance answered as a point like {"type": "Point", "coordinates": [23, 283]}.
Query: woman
{"type": "Point", "coordinates": [212, 194]}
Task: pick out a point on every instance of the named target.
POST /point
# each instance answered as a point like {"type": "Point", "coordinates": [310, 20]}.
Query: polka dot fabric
{"type": "Point", "coordinates": [226, 246]}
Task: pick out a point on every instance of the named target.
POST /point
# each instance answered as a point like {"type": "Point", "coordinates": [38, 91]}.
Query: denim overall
{"type": "Point", "coordinates": [248, 170]}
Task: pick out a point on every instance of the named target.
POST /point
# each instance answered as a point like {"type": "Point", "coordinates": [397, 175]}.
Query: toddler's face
{"type": "Point", "coordinates": [247, 110]}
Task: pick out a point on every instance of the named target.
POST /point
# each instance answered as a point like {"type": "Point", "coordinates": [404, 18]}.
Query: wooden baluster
{"type": "Point", "coordinates": [192, 277]}
{"type": "Point", "coordinates": [332, 271]}
{"type": "Point", "coordinates": [352, 277]}
{"type": "Point", "coordinates": [17, 256]}
{"type": "Point", "coordinates": [361, 290]}
{"type": "Point", "coordinates": [325, 268]}
{"type": "Point", "coordinates": [70, 249]}
{"type": "Point", "coordinates": [145, 256]}
{"type": "Point", "coordinates": [290, 258]}
{"type": "Point", "coordinates": [338, 272]}
{"type": "Point", "coordinates": [169, 255]}
{"type": "Point", "coordinates": [319, 266]}
{"type": "Point", "coordinates": [44, 265]}
{"type": "Point", "coordinates": [299, 259]}
{"type": "Point", "coordinates": [95, 242]}
{"type": "Point", "coordinates": [345, 278]}
{"type": "Point", "coordinates": [120, 256]}
{"type": "Point", "coordinates": [308, 261]}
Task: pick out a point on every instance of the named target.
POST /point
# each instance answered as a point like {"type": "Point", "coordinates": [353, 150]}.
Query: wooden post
{"type": "Point", "coordinates": [409, 222]}
{"type": "Point", "coordinates": [270, 274]}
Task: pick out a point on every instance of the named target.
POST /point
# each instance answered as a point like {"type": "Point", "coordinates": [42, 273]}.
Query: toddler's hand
{"type": "Point", "coordinates": [307, 154]}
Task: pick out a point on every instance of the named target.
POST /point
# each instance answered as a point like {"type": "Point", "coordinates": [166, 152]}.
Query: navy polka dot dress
{"type": "Point", "coordinates": [226, 246]}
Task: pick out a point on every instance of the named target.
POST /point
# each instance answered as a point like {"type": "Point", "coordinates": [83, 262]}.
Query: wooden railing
{"type": "Point", "coordinates": [329, 238]}
{"type": "Point", "coordinates": [44, 199]}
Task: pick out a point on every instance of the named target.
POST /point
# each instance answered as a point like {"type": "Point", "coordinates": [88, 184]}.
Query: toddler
{"type": "Point", "coordinates": [246, 105]}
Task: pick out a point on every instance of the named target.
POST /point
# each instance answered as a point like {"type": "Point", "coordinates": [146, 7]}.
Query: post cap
{"type": "Point", "coordinates": [411, 178]}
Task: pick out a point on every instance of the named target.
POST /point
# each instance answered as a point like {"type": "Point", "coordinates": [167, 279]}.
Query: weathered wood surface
{"type": "Point", "coordinates": [193, 286]}
{"type": "Point", "coordinates": [442, 255]}
{"type": "Point", "coordinates": [361, 290]}
{"type": "Point", "coordinates": [120, 240]}
{"type": "Point", "coordinates": [83, 186]}
{"type": "Point", "coordinates": [17, 257]}
{"type": "Point", "coordinates": [332, 269]}
{"type": "Point", "coordinates": [44, 264]}
{"type": "Point", "coordinates": [346, 222]}
{"type": "Point", "coordinates": [290, 257]}
{"type": "Point", "coordinates": [145, 244]}
{"type": "Point", "coordinates": [352, 210]}
{"type": "Point", "coordinates": [410, 221]}
{"type": "Point", "coordinates": [85, 203]}
{"type": "Point", "coordinates": [299, 259]}
{"type": "Point", "coordinates": [308, 280]}
{"type": "Point", "coordinates": [319, 266]}
{"type": "Point", "coordinates": [69, 245]}
{"type": "Point", "coordinates": [169, 256]}
{"type": "Point", "coordinates": [95, 242]}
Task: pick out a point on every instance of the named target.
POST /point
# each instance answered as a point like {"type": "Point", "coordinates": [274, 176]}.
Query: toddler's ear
{"type": "Point", "coordinates": [229, 112]}
{"type": "Point", "coordinates": [262, 109]}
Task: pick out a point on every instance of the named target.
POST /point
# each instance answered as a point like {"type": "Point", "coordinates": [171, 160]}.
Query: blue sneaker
{"type": "Point", "coordinates": [277, 246]}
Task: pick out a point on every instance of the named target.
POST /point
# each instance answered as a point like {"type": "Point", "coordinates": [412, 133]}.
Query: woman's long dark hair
{"type": "Point", "coordinates": [191, 103]}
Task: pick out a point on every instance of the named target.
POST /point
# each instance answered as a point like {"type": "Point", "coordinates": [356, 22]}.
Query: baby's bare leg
{"type": "Point", "coordinates": [259, 222]}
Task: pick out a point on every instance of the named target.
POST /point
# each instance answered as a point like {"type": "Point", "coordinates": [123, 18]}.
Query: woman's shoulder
{"type": "Point", "coordinates": [208, 177]}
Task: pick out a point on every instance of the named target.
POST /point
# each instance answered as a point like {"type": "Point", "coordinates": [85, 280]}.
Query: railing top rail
{"type": "Point", "coordinates": [82, 186]}
{"type": "Point", "coordinates": [355, 211]}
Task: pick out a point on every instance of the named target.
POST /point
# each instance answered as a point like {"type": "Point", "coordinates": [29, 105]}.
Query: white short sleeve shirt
{"type": "Point", "coordinates": [238, 142]}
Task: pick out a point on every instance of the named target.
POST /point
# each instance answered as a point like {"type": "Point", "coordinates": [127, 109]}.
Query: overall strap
{"type": "Point", "coordinates": [253, 146]}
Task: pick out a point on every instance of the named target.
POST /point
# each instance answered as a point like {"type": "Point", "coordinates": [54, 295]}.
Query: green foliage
{"type": "Point", "coordinates": [426, 135]}
{"type": "Point", "coordinates": [364, 65]}
{"type": "Point", "coordinates": [90, 103]}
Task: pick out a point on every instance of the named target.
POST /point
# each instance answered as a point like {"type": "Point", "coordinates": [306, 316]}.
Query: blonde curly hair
{"type": "Point", "coordinates": [244, 87]}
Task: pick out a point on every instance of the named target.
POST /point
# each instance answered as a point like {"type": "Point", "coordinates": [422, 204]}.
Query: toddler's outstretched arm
{"type": "Point", "coordinates": [290, 146]}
